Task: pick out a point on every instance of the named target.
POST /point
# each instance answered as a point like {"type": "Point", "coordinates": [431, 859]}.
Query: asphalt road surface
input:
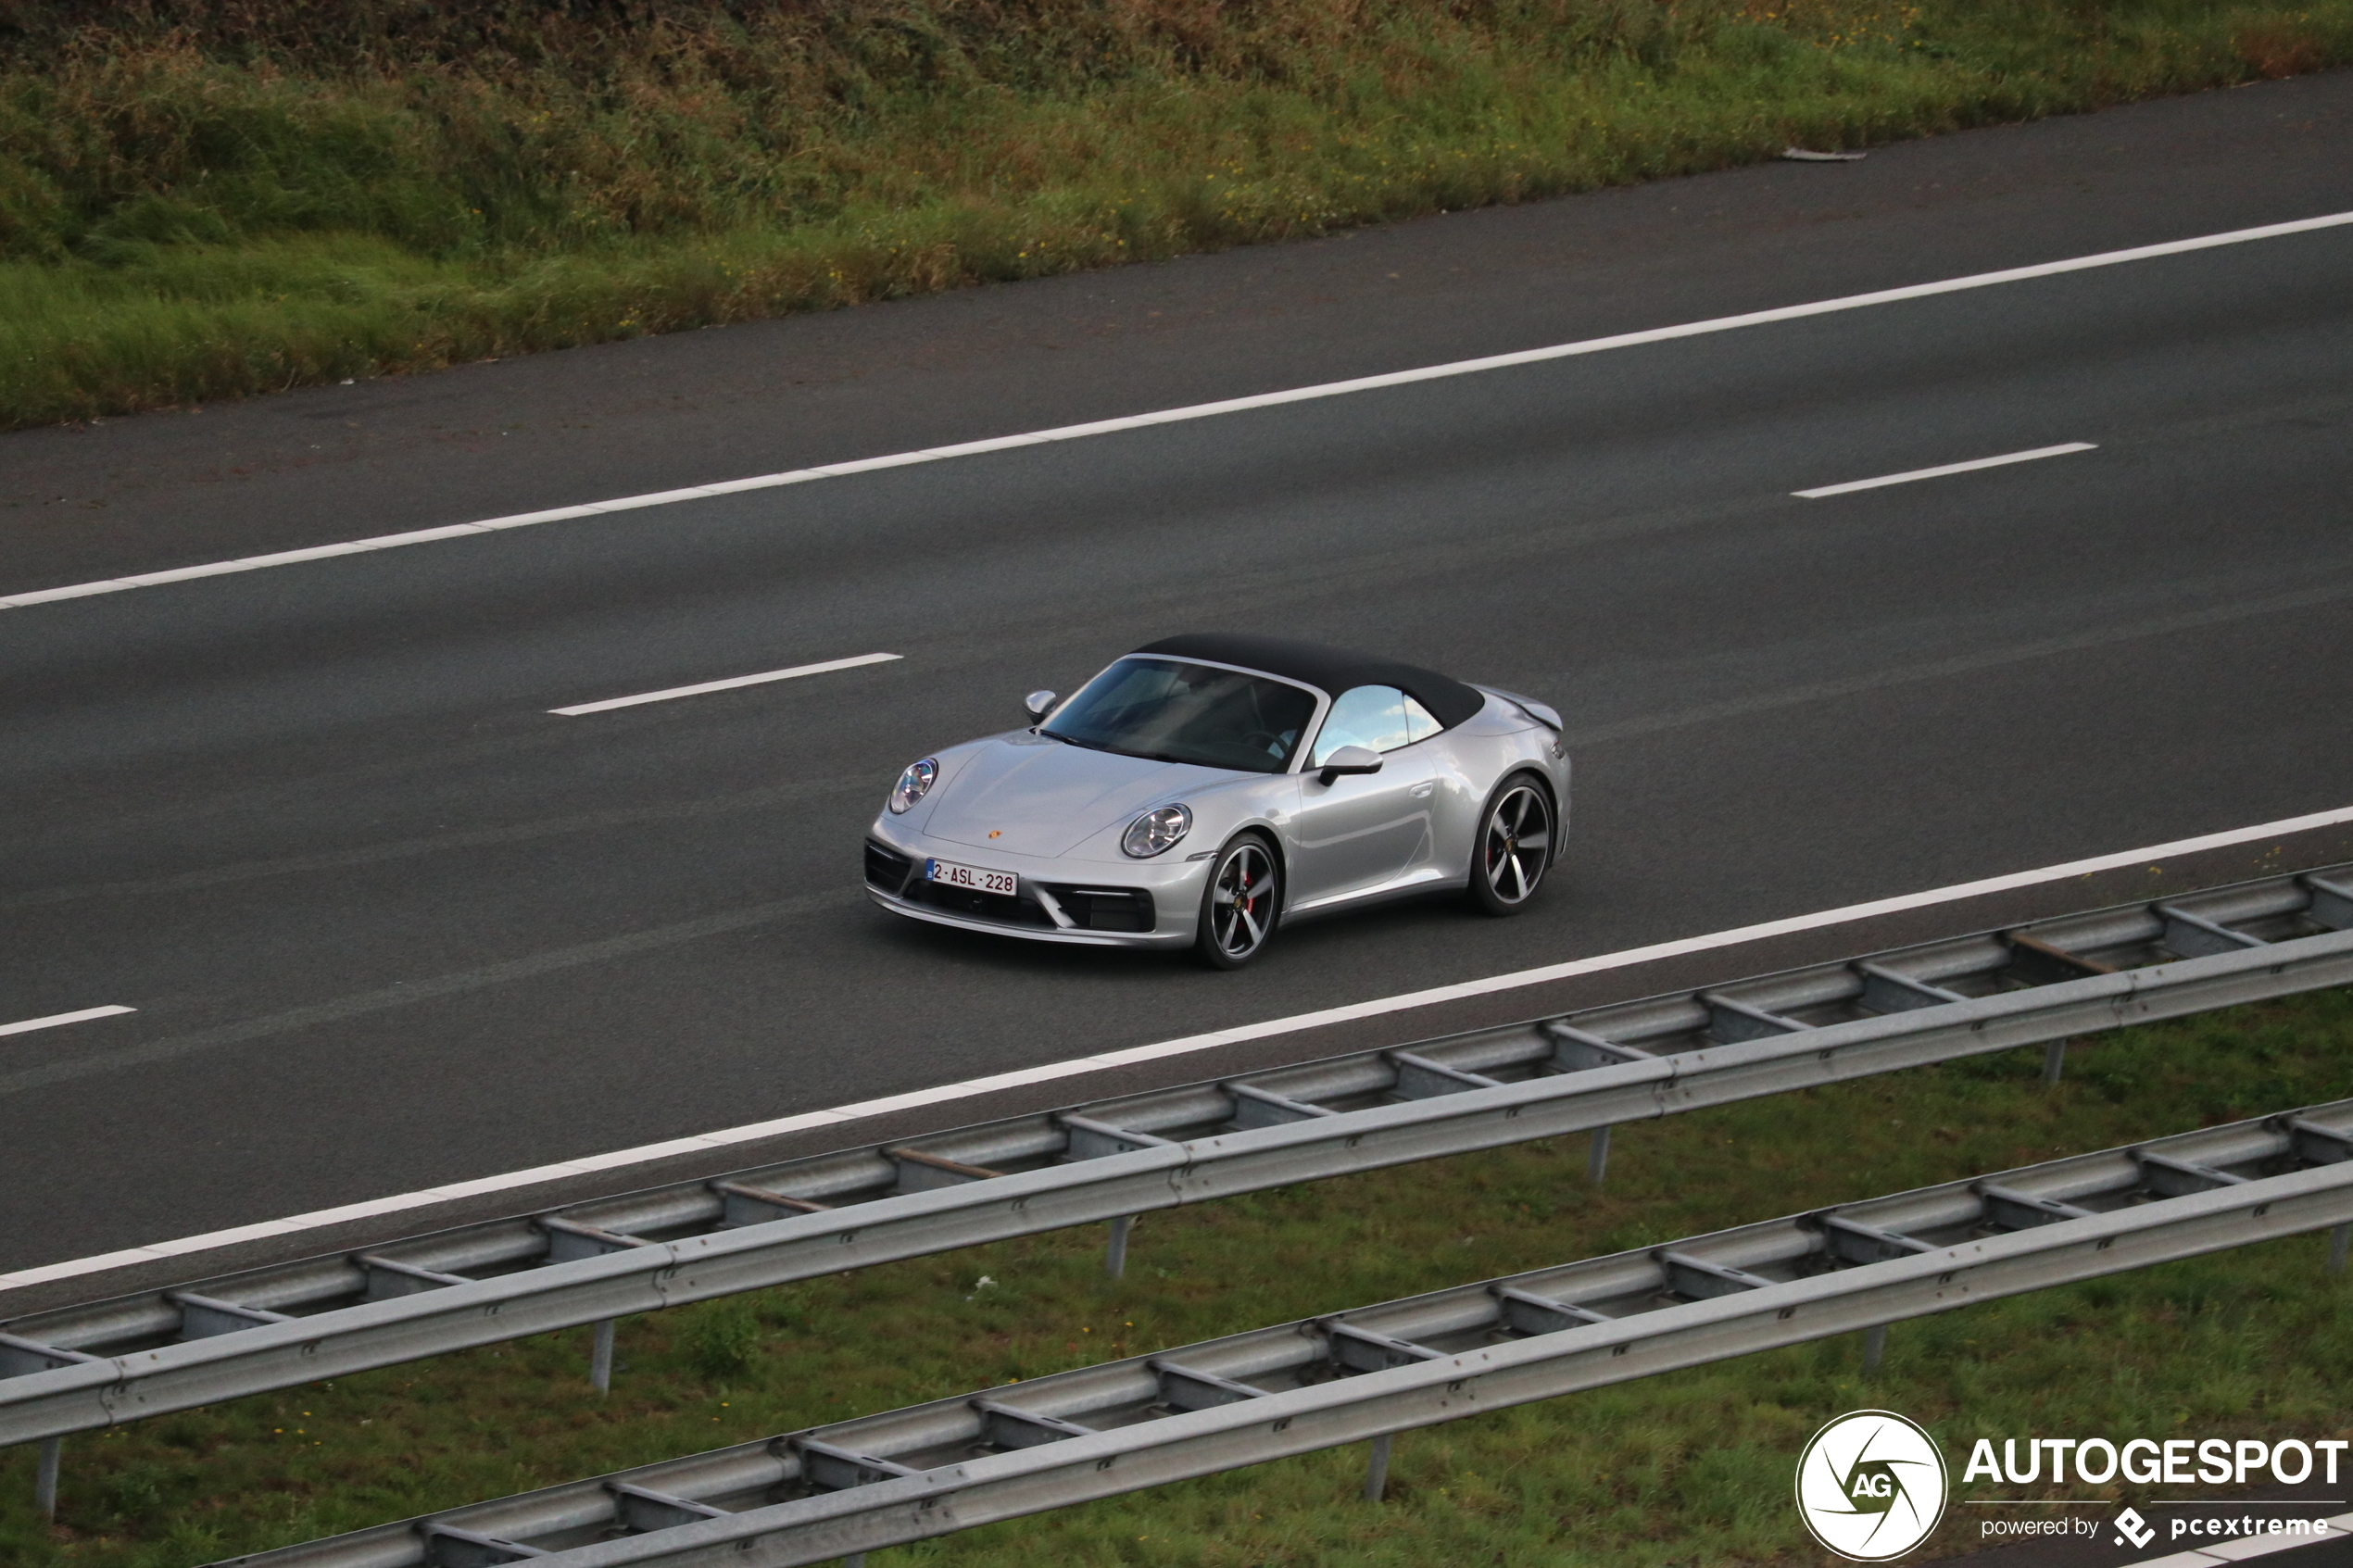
{"type": "Point", "coordinates": [388, 921]}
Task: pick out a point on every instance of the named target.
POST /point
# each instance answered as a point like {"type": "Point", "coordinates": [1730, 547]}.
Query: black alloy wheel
{"type": "Point", "coordinates": [1515, 847]}
{"type": "Point", "coordinates": [1238, 907]}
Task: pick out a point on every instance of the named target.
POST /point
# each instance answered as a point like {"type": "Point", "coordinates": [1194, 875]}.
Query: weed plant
{"type": "Point", "coordinates": [1694, 1467]}
{"type": "Point", "coordinates": [215, 197]}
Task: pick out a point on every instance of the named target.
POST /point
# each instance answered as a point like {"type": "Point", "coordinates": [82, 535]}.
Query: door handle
{"type": "Point", "coordinates": [1421, 791]}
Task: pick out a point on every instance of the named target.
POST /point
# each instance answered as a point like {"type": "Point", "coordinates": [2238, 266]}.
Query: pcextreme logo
{"type": "Point", "coordinates": [1871, 1485]}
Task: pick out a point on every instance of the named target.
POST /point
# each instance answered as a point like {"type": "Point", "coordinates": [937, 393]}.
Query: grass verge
{"type": "Point", "coordinates": [243, 195]}
{"type": "Point", "coordinates": [1689, 1468]}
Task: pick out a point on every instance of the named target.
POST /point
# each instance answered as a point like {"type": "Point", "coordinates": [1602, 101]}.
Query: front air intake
{"type": "Point", "coordinates": [887, 869]}
{"type": "Point", "coordinates": [1105, 908]}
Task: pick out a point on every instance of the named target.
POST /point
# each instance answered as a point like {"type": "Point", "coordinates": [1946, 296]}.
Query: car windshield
{"type": "Point", "coordinates": [1172, 711]}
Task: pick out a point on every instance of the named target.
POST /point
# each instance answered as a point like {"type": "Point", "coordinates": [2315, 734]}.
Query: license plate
{"type": "Point", "coordinates": [949, 874]}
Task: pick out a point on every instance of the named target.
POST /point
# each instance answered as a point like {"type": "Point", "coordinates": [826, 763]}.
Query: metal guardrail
{"type": "Point", "coordinates": [80, 1368]}
{"type": "Point", "coordinates": [1002, 1452]}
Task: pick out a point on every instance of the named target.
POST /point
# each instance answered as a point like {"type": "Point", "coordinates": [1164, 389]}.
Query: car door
{"type": "Point", "coordinates": [1363, 830]}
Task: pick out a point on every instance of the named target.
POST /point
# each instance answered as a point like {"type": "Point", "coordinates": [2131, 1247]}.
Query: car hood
{"type": "Point", "coordinates": [1039, 797]}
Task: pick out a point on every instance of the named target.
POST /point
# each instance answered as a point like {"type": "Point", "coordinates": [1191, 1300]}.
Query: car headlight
{"type": "Point", "coordinates": [913, 785]}
{"type": "Point", "coordinates": [1156, 830]}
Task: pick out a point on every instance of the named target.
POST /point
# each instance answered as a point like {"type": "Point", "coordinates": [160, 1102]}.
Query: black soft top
{"type": "Point", "coordinates": [1331, 670]}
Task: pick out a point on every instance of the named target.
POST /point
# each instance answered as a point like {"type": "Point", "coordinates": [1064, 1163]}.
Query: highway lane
{"type": "Point", "coordinates": [331, 463]}
{"type": "Point", "coordinates": [387, 921]}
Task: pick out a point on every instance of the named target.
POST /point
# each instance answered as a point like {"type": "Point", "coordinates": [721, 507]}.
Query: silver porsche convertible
{"type": "Point", "coordinates": [1207, 788]}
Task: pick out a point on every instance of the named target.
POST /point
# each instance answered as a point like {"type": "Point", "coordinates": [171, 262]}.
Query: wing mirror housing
{"type": "Point", "coordinates": [1038, 704]}
{"type": "Point", "coordinates": [1349, 760]}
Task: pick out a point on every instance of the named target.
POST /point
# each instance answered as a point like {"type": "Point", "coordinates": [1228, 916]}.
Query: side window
{"type": "Point", "coordinates": [1419, 723]}
{"type": "Point", "coordinates": [1372, 717]}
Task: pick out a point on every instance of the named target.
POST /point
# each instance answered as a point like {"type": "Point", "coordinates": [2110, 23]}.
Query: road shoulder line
{"type": "Point", "coordinates": [1193, 411]}
{"type": "Point", "coordinates": [650, 1154]}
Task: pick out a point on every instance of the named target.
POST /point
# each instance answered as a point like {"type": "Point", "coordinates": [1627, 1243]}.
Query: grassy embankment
{"type": "Point", "coordinates": [1690, 1468]}
{"type": "Point", "coordinates": [230, 196]}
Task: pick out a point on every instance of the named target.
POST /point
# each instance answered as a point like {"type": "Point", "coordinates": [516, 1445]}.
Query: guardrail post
{"type": "Point", "coordinates": [2340, 1239]}
{"type": "Point", "coordinates": [1116, 1257]}
{"type": "Point", "coordinates": [1376, 1470]}
{"type": "Point", "coordinates": [1597, 1155]}
{"type": "Point", "coordinates": [600, 1358]}
{"type": "Point", "coordinates": [45, 1479]}
{"type": "Point", "coordinates": [1874, 1345]}
{"type": "Point", "coordinates": [2054, 1059]}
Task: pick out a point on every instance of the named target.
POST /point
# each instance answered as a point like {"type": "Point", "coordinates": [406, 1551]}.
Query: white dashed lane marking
{"type": "Point", "coordinates": [1971, 467]}
{"type": "Point", "coordinates": [26, 1026]}
{"type": "Point", "coordinates": [729, 684]}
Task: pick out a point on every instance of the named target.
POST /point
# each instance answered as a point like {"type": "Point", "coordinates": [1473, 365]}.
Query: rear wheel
{"type": "Point", "coordinates": [1238, 906]}
{"type": "Point", "coordinates": [1515, 846]}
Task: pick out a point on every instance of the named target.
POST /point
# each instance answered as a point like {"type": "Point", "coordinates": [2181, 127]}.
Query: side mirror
{"type": "Point", "coordinates": [1038, 704]}
{"type": "Point", "coordinates": [1350, 759]}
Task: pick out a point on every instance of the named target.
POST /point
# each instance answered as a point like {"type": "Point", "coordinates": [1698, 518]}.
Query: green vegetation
{"type": "Point", "coordinates": [218, 198]}
{"type": "Point", "coordinates": [1694, 1467]}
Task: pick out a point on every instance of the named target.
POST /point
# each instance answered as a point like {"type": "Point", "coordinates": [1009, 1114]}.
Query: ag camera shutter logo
{"type": "Point", "coordinates": [1871, 1485]}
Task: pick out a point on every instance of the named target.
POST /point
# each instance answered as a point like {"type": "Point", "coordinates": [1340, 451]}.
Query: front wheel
{"type": "Point", "coordinates": [1238, 906]}
{"type": "Point", "coordinates": [1515, 847]}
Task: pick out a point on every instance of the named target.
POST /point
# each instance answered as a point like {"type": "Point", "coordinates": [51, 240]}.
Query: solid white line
{"type": "Point", "coordinates": [1077, 1066]}
{"type": "Point", "coordinates": [1197, 411]}
{"type": "Point", "coordinates": [727, 685]}
{"type": "Point", "coordinates": [27, 1025]}
{"type": "Point", "coordinates": [1969, 467]}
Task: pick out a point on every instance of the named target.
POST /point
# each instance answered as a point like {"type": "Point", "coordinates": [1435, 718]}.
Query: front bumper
{"type": "Point", "coordinates": [1140, 904]}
